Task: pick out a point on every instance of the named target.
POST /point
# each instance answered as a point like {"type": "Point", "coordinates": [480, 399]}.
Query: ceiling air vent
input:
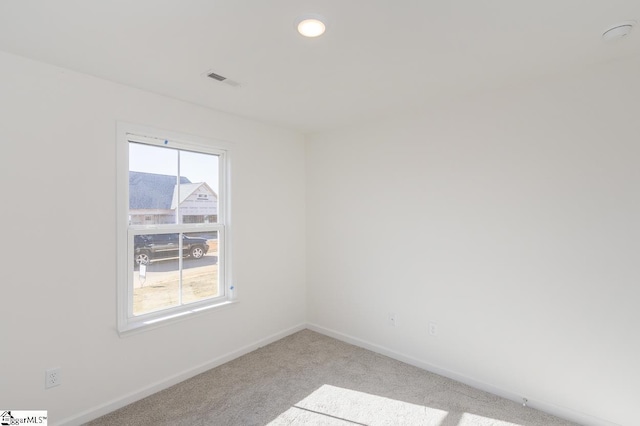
{"type": "Point", "coordinates": [220, 78]}
{"type": "Point", "coordinates": [215, 76]}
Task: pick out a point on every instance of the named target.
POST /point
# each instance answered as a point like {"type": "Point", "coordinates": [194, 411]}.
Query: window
{"type": "Point", "coordinates": [173, 227]}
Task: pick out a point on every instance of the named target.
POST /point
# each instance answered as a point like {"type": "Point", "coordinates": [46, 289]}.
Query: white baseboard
{"type": "Point", "coordinates": [100, 410]}
{"type": "Point", "coordinates": [562, 412]}
{"type": "Point", "coordinates": [117, 403]}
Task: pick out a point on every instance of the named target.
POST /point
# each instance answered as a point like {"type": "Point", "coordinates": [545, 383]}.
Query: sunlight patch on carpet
{"type": "Point", "coordinates": [331, 405]}
{"type": "Point", "coordinates": [468, 419]}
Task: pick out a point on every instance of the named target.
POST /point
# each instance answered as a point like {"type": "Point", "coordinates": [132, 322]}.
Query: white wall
{"type": "Point", "coordinates": [511, 220]}
{"type": "Point", "coordinates": [58, 174]}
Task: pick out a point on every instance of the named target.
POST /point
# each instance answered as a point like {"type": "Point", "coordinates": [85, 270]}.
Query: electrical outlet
{"type": "Point", "coordinates": [52, 377]}
{"type": "Point", "coordinates": [392, 319]}
{"type": "Point", "coordinates": [433, 328]}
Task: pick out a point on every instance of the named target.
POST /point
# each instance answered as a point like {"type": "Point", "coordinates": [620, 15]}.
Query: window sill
{"type": "Point", "coordinates": [139, 326]}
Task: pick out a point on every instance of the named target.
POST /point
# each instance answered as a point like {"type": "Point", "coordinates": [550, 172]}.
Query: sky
{"type": "Point", "coordinates": [197, 167]}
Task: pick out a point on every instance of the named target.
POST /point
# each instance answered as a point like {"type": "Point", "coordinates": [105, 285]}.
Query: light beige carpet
{"type": "Point", "coordinates": [310, 379]}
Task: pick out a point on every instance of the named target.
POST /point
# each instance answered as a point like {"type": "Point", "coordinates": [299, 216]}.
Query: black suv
{"type": "Point", "coordinates": [162, 246]}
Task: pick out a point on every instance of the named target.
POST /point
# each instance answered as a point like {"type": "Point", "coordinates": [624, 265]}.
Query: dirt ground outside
{"type": "Point", "coordinates": [160, 288]}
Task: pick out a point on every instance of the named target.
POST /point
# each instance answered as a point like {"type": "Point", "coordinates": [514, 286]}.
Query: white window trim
{"type": "Point", "coordinates": [126, 323]}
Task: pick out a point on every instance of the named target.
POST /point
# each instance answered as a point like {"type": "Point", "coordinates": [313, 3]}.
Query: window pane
{"type": "Point", "coordinates": [200, 268]}
{"type": "Point", "coordinates": [199, 189]}
{"type": "Point", "coordinates": [153, 186]}
{"type": "Point", "coordinates": [156, 274]}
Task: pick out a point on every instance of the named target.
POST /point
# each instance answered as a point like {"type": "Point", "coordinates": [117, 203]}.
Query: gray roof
{"type": "Point", "coordinates": [152, 191]}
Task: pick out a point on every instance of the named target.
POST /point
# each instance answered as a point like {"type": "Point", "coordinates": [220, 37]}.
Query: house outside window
{"type": "Point", "coordinates": [173, 227]}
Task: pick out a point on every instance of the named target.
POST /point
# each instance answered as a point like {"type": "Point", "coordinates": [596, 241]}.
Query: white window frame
{"type": "Point", "coordinates": [127, 323]}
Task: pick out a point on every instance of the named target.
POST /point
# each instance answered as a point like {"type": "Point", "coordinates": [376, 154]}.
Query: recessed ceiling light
{"type": "Point", "coordinates": [618, 31]}
{"type": "Point", "coordinates": [311, 25]}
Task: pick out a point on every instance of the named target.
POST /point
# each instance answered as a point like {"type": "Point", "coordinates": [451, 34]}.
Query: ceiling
{"type": "Point", "coordinates": [378, 57]}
